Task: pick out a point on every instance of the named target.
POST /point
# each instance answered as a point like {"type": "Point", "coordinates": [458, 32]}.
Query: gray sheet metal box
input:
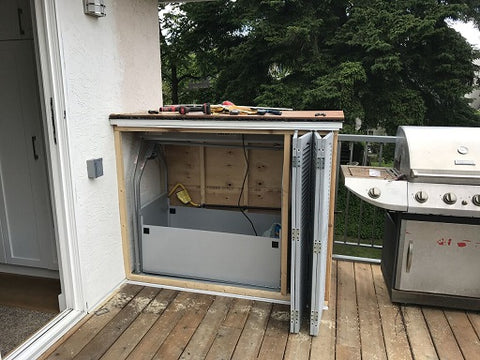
{"type": "Point", "coordinates": [209, 244]}
{"type": "Point", "coordinates": [95, 168]}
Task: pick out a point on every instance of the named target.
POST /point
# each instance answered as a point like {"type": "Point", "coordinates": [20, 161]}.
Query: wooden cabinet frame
{"type": "Point", "coordinates": [134, 126]}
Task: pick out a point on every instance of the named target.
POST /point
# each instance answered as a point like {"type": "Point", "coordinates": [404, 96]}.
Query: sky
{"type": "Point", "coordinates": [468, 31]}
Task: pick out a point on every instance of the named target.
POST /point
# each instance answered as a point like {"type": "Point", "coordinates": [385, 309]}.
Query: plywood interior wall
{"type": "Point", "coordinates": [215, 175]}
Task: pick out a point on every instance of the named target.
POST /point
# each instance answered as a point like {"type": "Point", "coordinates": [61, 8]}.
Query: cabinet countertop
{"type": "Point", "coordinates": [289, 120]}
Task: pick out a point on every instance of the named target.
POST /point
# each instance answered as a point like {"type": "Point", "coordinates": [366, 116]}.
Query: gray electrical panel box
{"type": "Point", "coordinates": [95, 168]}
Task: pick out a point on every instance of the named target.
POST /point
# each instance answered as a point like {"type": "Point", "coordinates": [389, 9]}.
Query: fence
{"type": "Point", "coordinates": [358, 225]}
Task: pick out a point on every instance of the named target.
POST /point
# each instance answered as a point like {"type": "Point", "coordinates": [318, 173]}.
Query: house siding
{"type": "Point", "coordinates": [110, 64]}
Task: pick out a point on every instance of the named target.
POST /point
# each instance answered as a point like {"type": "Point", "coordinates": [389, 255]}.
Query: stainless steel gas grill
{"type": "Point", "coordinates": [431, 250]}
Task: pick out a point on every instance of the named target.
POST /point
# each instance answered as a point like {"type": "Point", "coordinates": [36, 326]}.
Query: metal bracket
{"type": "Point", "coordinates": [296, 161]}
{"type": "Point", "coordinates": [295, 234]}
{"type": "Point", "coordinates": [317, 247]}
{"type": "Point", "coordinates": [320, 163]}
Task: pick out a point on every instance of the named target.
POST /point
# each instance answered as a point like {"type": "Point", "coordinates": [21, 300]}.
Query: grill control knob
{"type": "Point", "coordinates": [421, 196]}
{"type": "Point", "coordinates": [374, 193]}
{"type": "Point", "coordinates": [450, 198]}
{"type": "Point", "coordinates": [476, 199]}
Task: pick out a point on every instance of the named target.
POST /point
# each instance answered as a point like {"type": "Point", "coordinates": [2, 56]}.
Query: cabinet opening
{"type": "Point", "coordinates": [219, 215]}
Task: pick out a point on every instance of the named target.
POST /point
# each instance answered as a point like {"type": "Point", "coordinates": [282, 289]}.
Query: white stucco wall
{"type": "Point", "coordinates": [110, 64]}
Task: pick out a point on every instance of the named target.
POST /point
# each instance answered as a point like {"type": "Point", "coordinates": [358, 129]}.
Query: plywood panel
{"type": "Point", "coordinates": [224, 172]}
{"type": "Point", "coordinates": [265, 178]}
{"type": "Point", "coordinates": [184, 167]}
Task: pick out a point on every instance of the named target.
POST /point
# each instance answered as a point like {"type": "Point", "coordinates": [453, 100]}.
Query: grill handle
{"type": "Point", "coordinates": [409, 256]}
{"type": "Point", "coordinates": [417, 173]}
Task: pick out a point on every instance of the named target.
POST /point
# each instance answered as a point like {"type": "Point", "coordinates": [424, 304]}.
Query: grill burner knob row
{"type": "Point", "coordinates": [450, 198]}
{"type": "Point", "coordinates": [476, 199]}
{"type": "Point", "coordinates": [374, 193]}
{"type": "Point", "coordinates": [421, 196]}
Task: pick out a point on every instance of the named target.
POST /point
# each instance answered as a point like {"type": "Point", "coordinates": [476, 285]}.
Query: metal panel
{"type": "Point", "coordinates": [321, 178]}
{"type": "Point", "coordinates": [444, 154]}
{"type": "Point", "coordinates": [210, 255]}
{"type": "Point", "coordinates": [300, 232]}
{"type": "Point", "coordinates": [210, 244]}
{"type": "Point", "coordinates": [144, 153]}
{"type": "Point", "coordinates": [226, 221]}
{"type": "Point", "coordinates": [439, 258]}
{"type": "Point", "coordinates": [202, 123]}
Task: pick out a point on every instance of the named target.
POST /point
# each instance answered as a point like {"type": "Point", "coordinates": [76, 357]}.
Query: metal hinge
{"type": "Point", "coordinates": [295, 162]}
{"type": "Point", "coordinates": [314, 316]}
{"type": "Point", "coordinates": [320, 163]}
{"type": "Point", "coordinates": [295, 234]}
{"type": "Point", "coordinates": [317, 247]}
{"type": "Point", "coordinates": [294, 316]}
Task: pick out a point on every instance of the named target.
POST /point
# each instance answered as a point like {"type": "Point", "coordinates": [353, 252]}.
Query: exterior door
{"type": "Point", "coordinates": [26, 222]}
{"type": "Point", "coordinates": [300, 232]}
{"type": "Point", "coordinates": [322, 172]}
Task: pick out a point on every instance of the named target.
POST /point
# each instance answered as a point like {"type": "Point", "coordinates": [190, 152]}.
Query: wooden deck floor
{"type": "Point", "coordinates": [361, 323]}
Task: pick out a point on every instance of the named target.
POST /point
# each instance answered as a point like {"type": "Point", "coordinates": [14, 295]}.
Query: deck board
{"type": "Point", "coordinates": [348, 336]}
{"type": "Point", "coordinates": [174, 345]}
{"type": "Point", "coordinates": [110, 333]}
{"type": "Point", "coordinates": [323, 346]}
{"type": "Point", "coordinates": [276, 335]}
{"type": "Point", "coordinates": [142, 324]}
{"type": "Point", "coordinates": [150, 343]}
{"type": "Point", "coordinates": [360, 322]}
{"type": "Point", "coordinates": [371, 333]}
{"type": "Point", "coordinates": [230, 330]}
{"type": "Point", "coordinates": [464, 333]}
{"type": "Point", "coordinates": [203, 338]}
{"type": "Point", "coordinates": [418, 334]}
{"type": "Point", "coordinates": [97, 321]}
{"type": "Point", "coordinates": [442, 334]}
{"type": "Point", "coordinates": [394, 334]}
{"type": "Point", "coordinates": [248, 345]}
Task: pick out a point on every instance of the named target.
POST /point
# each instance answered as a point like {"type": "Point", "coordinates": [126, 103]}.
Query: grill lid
{"type": "Point", "coordinates": [439, 154]}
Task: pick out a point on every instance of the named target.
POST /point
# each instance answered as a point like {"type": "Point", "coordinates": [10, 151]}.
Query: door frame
{"type": "Point", "coordinates": [52, 93]}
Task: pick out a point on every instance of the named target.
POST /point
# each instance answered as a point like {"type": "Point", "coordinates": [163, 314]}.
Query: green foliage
{"type": "Point", "coordinates": [388, 63]}
{"type": "Point", "coordinates": [357, 219]}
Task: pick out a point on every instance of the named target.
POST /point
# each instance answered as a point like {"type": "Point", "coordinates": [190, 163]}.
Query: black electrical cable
{"type": "Point", "coordinates": [243, 185]}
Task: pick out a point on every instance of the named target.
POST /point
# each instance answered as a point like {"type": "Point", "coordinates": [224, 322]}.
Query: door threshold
{"type": "Point", "coordinates": [44, 338]}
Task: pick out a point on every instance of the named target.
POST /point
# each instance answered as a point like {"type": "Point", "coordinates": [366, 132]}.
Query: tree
{"type": "Point", "coordinates": [388, 63]}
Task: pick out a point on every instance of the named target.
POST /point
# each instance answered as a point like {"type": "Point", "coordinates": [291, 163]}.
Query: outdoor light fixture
{"type": "Point", "coordinates": [94, 8]}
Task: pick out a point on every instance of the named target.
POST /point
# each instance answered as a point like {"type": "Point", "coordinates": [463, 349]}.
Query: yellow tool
{"type": "Point", "coordinates": [182, 195]}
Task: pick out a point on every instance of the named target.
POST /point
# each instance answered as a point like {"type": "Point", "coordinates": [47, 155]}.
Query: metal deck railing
{"type": "Point", "coordinates": [358, 225]}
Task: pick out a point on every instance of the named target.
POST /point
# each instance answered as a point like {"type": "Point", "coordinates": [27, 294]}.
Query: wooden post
{"type": "Point", "coordinates": [122, 200]}
{"type": "Point", "coordinates": [331, 217]}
